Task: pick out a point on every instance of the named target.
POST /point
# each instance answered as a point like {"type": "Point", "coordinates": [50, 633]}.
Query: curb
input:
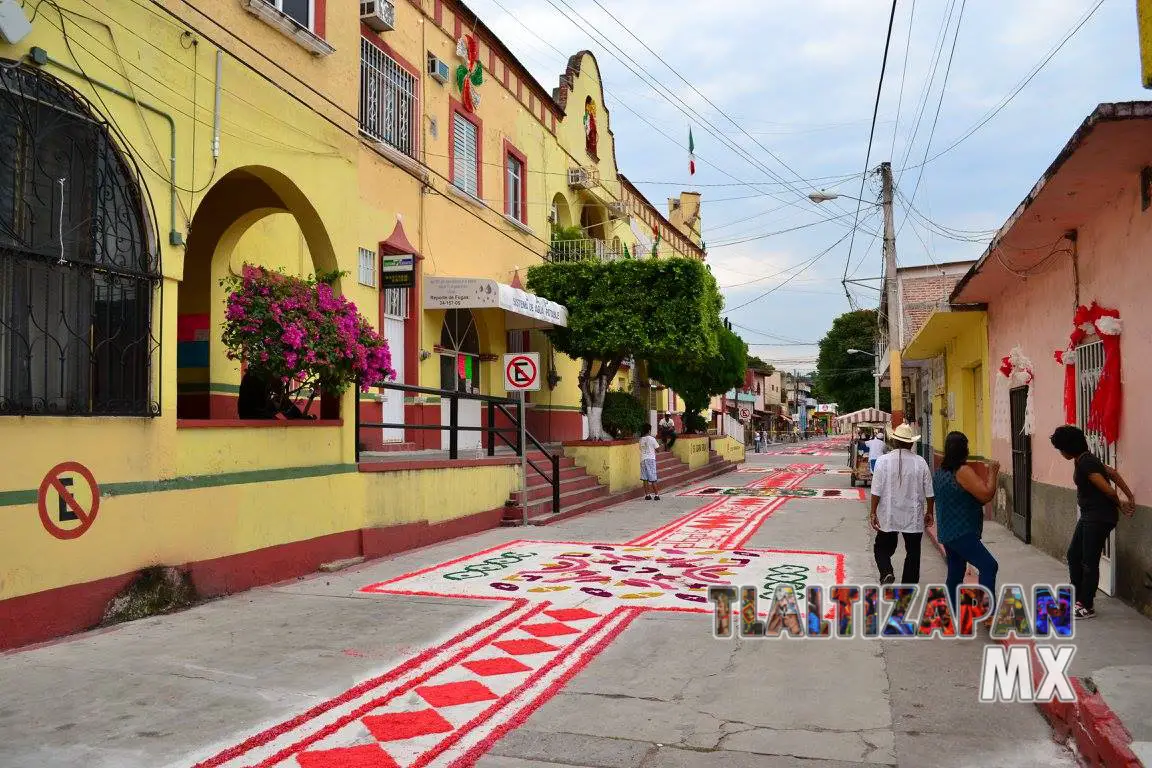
{"type": "Point", "coordinates": [1100, 737]}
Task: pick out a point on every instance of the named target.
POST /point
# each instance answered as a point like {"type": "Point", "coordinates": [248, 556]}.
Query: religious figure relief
{"type": "Point", "coordinates": [590, 127]}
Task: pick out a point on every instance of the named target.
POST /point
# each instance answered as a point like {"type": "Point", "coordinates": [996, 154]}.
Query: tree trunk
{"type": "Point", "coordinates": [595, 388]}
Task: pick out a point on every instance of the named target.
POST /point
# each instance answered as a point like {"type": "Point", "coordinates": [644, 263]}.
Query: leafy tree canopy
{"type": "Point", "coordinates": [843, 378]}
{"type": "Point", "coordinates": [756, 364]}
{"type": "Point", "coordinates": [697, 381]}
{"type": "Point", "coordinates": [647, 309]}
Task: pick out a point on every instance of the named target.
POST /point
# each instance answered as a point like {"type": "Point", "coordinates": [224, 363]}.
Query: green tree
{"type": "Point", "coordinates": [756, 364]}
{"type": "Point", "coordinates": [649, 309]}
{"type": "Point", "coordinates": [843, 378]}
{"type": "Point", "coordinates": [697, 381]}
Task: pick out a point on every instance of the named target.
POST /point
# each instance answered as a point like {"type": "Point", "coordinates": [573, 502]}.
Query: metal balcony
{"type": "Point", "coordinates": [582, 250]}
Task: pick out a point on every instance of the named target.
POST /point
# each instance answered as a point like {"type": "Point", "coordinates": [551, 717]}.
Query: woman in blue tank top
{"type": "Point", "coordinates": [960, 499]}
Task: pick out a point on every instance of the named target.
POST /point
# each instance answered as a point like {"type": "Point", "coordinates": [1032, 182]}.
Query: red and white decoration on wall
{"type": "Point", "coordinates": [1015, 371]}
{"type": "Point", "coordinates": [1104, 410]}
{"type": "Point", "coordinates": [470, 74]}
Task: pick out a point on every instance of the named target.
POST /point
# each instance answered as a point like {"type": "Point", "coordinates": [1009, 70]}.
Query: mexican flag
{"type": "Point", "coordinates": [691, 153]}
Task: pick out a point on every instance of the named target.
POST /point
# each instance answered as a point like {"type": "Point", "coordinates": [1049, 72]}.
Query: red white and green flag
{"type": "Point", "coordinates": [691, 153]}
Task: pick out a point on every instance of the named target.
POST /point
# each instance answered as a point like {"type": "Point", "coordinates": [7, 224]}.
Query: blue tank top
{"type": "Point", "coordinates": [958, 513]}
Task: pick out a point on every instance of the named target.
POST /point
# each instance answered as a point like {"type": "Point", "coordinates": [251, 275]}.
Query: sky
{"type": "Point", "coordinates": [779, 96]}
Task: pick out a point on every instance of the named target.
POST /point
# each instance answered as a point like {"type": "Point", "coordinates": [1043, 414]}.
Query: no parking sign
{"type": "Point", "coordinates": [68, 494]}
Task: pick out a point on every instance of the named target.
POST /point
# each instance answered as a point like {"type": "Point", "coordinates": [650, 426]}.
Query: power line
{"type": "Point", "coordinates": [614, 50]}
{"type": "Point", "coordinates": [1016, 91]}
{"type": "Point", "coordinates": [696, 90]}
{"type": "Point", "coordinates": [903, 76]}
{"type": "Point", "coordinates": [740, 241]}
{"type": "Point", "coordinates": [926, 93]}
{"type": "Point", "coordinates": [871, 136]}
{"type": "Point", "coordinates": [939, 104]}
{"type": "Point", "coordinates": [807, 265]}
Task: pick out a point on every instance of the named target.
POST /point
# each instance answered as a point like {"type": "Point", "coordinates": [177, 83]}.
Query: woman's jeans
{"type": "Point", "coordinates": [1084, 558]}
{"type": "Point", "coordinates": [968, 549]}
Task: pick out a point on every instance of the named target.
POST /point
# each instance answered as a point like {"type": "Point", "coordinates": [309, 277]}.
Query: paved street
{"type": "Point", "coordinates": [581, 644]}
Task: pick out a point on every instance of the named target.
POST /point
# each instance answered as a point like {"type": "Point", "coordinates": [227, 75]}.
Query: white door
{"type": "Point", "coordinates": [395, 312]}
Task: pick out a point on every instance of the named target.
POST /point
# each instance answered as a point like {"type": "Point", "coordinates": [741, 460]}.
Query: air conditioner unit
{"type": "Point", "coordinates": [379, 15]}
{"type": "Point", "coordinates": [437, 69]}
{"type": "Point", "coordinates": [582, 178]}
{"type": "Point", "coordinates": [618, 210]}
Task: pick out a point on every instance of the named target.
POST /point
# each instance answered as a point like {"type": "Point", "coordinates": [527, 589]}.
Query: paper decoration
{"type": "Point", "coordinates": [1104, 410]}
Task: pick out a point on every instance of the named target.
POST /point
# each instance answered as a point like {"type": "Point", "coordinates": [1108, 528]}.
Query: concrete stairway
{"type": "Point", "coordinates": [580, 492]}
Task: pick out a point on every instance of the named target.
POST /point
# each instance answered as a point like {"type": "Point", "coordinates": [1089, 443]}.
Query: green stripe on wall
{"type": "Point", "coordinates": [194, 387]}
{"type": "Point", "coordinates": [192, 482]}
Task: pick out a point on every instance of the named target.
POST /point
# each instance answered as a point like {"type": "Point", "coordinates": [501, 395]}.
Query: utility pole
{"type": "Point", "coordinates": [876, 376]}
{"type": "Point", "coordinates": [890, 286]}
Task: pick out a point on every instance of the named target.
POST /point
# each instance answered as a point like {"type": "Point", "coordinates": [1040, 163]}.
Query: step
{"type": "Point", "coordinates": [543, 489]}
{"type": "Point", "coordinates": [543, 507]}
{"type": "Point", "coordinates": [566, 473]}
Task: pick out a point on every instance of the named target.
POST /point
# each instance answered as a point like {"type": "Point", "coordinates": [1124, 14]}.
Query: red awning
{"type": "Point", "coordinates": [397, 242]}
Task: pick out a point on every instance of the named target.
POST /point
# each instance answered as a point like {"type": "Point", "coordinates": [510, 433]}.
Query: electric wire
{"type": "Point", "coordinates": [871, 136]}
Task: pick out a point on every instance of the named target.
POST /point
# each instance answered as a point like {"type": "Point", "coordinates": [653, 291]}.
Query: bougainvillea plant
{"type": "Point", "coordinates": [299, 333]}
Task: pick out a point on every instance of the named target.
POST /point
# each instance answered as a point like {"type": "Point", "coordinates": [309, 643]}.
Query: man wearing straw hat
{"type": "Point", "coordinates": [902, 504]}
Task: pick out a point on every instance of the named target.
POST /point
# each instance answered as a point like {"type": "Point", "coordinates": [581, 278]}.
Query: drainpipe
{"type": "Point", "coordinates": [40, 57]}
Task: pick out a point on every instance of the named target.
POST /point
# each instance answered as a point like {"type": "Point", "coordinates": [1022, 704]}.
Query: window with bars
{"type": "Point", "coordinates": [368, 267]}
{"type": "Point", "coordinates": [1089, 366]}
{"type": "Point", "coordinates": [514, 189]}
{"type": "Point", "coordinates": [465, 154]}
{"type": "Point", "coordinates": [396, 303]}
{"type": "Point", "coordinates": [388, 104]}
{"type": "Point", "coordinates": [78, 272]}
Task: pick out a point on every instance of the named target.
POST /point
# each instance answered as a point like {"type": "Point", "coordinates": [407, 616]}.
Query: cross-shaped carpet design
{"type": "Point", "coordinates": [556, 606]}
{"type": "Point", "coordinates": [853, 494]}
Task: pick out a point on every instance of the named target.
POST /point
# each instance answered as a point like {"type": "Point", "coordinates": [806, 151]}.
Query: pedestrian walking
{"type": "Point", "coordinates": [902, 505]}
{"type": "Point", "coordinates": [1099, 506]}
{"type": "Point", "coordinates": [648, 446]}
{"type": "Point", "coordinates": [758, 440]}
{"type": "Point", "coordinates": [876, 448]}
{"type": "Point", "coordinates": [960, 499]}
{"type": "Point", "coordinates": [667, 431]}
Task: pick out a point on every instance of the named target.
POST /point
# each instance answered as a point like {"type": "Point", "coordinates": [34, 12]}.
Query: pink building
{"type": "Point", "coordinates": [1082, 235]}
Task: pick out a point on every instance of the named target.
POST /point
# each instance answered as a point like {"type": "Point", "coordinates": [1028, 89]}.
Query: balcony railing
{"type": "Point", "coordinates": [584, 250]}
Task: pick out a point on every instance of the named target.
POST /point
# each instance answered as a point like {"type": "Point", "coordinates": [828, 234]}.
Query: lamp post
{"type": "Point", "coordinates": [875, 375]}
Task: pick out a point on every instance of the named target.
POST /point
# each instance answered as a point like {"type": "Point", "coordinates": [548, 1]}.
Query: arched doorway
{"type": "Point", "coordinates": [252, 215]}
{"type": "Point", "coordinates": [561, 212]}
{"type": "Point", "coordinates": [460, 372]}
{"type": "Point", "coordinates": [593, 220]}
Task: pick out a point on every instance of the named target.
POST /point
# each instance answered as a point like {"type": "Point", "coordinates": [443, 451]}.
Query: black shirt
{"type": "Point", "coordinates": [1094, 504]}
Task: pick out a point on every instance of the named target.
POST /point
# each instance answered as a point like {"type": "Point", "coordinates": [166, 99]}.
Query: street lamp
{"type": "Point", "coordinates": [875, 374]}
{"type": "Point", "coordinates": [824, 196]}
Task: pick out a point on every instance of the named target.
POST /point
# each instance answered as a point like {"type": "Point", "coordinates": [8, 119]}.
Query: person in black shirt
{"type": "Point", "coordinates": [1099, 505]}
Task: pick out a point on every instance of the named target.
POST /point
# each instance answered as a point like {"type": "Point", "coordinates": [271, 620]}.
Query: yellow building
{"type": "Point", "coordinates": [151, 149]}
{"type": "Point", "coordinates": [955, 341]}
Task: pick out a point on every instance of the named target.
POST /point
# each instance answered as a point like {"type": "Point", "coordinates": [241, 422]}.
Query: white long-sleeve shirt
{"type": "Point", "coordinates": [903, 482]}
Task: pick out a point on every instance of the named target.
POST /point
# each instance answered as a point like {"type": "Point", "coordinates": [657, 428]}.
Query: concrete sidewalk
{"type": "Point", "coordinates": [1112, 723]}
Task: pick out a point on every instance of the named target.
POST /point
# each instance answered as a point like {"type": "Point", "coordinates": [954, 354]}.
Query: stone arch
{"type": "Point", "coordinates": [562, 210]}
{"type": "Point", "coordinates": [242, 201]}
{"type": "Point", "coordinates": [593, 218]}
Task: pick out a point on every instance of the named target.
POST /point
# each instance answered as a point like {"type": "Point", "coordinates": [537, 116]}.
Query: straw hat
{"type": "Point", "coordinates": [904, 434]}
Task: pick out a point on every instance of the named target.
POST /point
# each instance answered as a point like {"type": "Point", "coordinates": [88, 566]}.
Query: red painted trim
{"type": "Point", "coordinates": [507, 73]}
{"type": "Point", "coordinates": [320, 17]}
{"type": "Point", "coordinates": [406, 466]}
{"type": "Point", "coordinates": [510, 149]}
{"type": "Point", "coordinates": [519, 89]}
{"type": "Point", "coordinates": [456, 108]}
{"type": "Point", "coordinates": [255, 423]}
{"type": "Point", "coordinates": [593, 443]}
{"type": "Point", "coordinates": [458, 29]}
{"type": "Point", "coordinates": [492, 61]}
{"type": "Point", "coordinates": [76, 608]}
{"type": "Point", "coordinates": [438, 13]}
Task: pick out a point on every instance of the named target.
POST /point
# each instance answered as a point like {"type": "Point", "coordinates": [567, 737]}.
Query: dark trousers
{"type": "Point", "coordinates": [1084, 558]}
{"type": "Point", "coordinates": [669, 438]}
{"type": "Point", "coordinates": [961, 552]}
{"type": "Point", "coordinates": [885, 547]}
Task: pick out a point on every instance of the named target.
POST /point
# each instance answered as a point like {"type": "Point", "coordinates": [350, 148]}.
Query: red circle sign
{"type": "Point", "coordinates": [521, 372]}
{"type": "Point", "coordinates": [68, 507]}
